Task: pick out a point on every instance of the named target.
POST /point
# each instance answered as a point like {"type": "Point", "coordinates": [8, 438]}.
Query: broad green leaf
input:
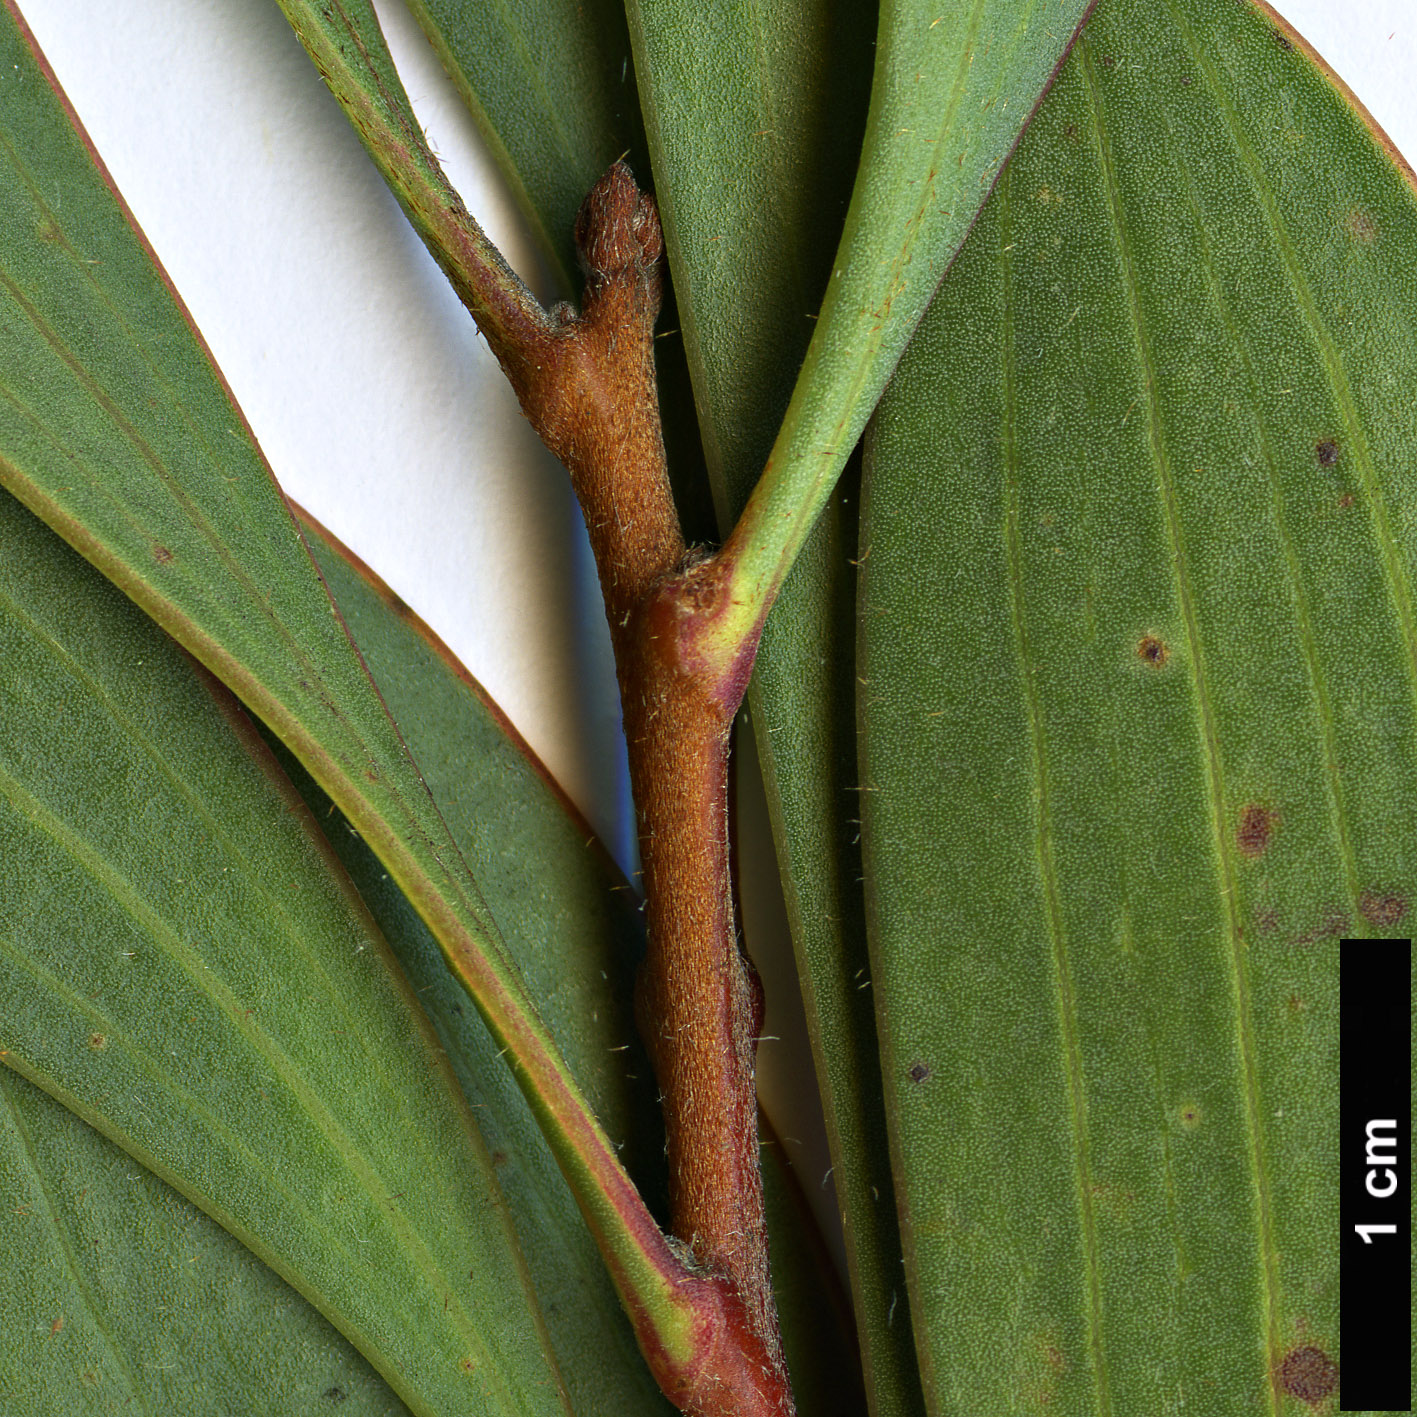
{"type": "Point", "coordinates": [121, 1295]}
{"type": "Point", "coordinates": [115, 429]}
{"type": "Point", "coordinates": [187, 968]}
{"type": "Point", "coordinates": [574, 930]}
{"type": "Point", "coordinates": [1139, 721]}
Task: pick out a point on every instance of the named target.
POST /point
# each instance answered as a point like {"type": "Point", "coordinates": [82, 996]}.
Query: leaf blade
{"type": "Point", "coordinates": [199, 983]}
{"type": "Point", "coordinates": [1140, 706]}
{"type": "Point", "coordinates": [119, 1291]}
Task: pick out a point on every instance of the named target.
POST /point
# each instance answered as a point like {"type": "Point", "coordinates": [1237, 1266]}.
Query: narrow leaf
{"type": "Point", "coordinates": [802, 709]}
{"type": "Point", "coordinates": [574, 930]}
{"type": "Point", "coordinates": [121, 1295]}
{"type": "Point", "coordinates": [1139, 716]}
{"type": "Point", "coordinates": [953, 87]}
{"type": "Point", "coordinates": [187, 968]}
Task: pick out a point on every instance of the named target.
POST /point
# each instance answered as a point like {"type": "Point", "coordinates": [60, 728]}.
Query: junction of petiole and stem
{"type": "Point", "coordinates": [683, 655]}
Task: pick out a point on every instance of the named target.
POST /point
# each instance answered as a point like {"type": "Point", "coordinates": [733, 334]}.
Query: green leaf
{"type": "Point", "coordinates": [119, 1294]}
{"type": "Point", "coordinates": [754, 115]}
{"type": "Point", "coordinates": [1139, 721]}
{"type": "Point", "coordinates": [115, 429]}
{"type": "Point", "coordinates": [574, 930]}
{"type": "Point", "coordinates": [190, 972]}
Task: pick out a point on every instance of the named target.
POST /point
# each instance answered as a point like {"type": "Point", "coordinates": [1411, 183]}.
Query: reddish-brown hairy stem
{"type": "Point", "coordinates": [586, 381]}
{"type": "Point", "coordinates": [699, 1006]}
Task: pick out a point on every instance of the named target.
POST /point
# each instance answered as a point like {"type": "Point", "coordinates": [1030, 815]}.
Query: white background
{"type": "Point", "coordinates": [376, 403]}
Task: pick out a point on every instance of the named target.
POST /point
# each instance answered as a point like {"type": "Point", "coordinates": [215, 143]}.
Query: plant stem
{"type": "Point", "coordinates": [586, 381]}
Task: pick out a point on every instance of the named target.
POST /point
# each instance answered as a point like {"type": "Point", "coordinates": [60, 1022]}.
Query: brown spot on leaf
{"type": "Point", "coordinates": [1071, 132]}
{"type": "Point", "coordinates": [499, 1158]}
{"type": "Point", "coordinates": [1257, 825]}
{"type": "Point", "coordinates": [1108, 61]}
{"type": "Point", "coordinates": [1382, 907]}
{"type": "Point", "coordinates": [1190, 1114]}
{"type": "Point", "coordinates": [161, 555]}
{"type": "Point", "coordinates": [1361, 226]}
{"type": "Point", "coordinates": [1332, 923]}
{"type": "Point", "coordinates": [334, 1394]}
{"type": "Point", "coordinates": [1326, 451]}
{"type": "Point", "coordinates": [1308, 1373]}
{"type": "Point", "coordinates": [98, 1041]}
{"type": "Point", "coordinates": [1153, 650]}
{"type": "Point", "coordinates": [1283, 40]}
{"type": "Point", "coordinates": [1345, 501]}
{"type": "Point", "coordinates": [1266, 922]}
{"type": "Point", "coordinates": [918, 1072]}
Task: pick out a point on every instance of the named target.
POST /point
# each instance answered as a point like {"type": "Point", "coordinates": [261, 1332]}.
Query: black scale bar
{"type": "Point", "coordinates": [1375, 1182]}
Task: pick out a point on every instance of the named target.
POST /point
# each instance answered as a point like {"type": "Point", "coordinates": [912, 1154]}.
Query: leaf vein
{"type": "Point", "coordinates": [66, 1245]}
{"type": "Point", "coordinates": [1210, 745]}
{"type": "Point", "coordinates": [1043, 841]}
